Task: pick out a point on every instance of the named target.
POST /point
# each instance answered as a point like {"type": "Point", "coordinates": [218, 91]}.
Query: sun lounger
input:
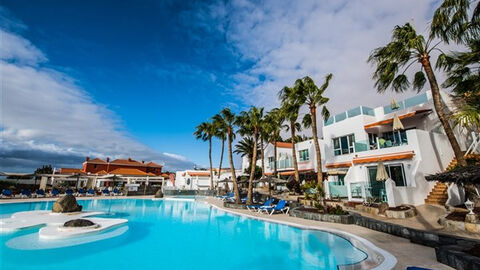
{"type": "Point", "coordinates": [91, 192]}
{"type": "Point", "coordinates": [280, 207]}
{"type": "Point", "coordinates": [106, 192]}
{"type": "Point", "coordinates": [40, 193]}
{"type": "Point", "coordinates": [6, 193]}
{"type": "Point", "coordinates": [257, 207]}
{"type": "Point", "coordinates": [54, 192]}
{"type": "Point", "coordinates": [69, 191]}
{"type": "Point", "coordinates": [81, 192]}
{"type": "Point", "coordinates": [117, 192]}
{"type": "Point", "coordinates": [225, 196]}
{"type": "Point", "coordinates": [25, 193]}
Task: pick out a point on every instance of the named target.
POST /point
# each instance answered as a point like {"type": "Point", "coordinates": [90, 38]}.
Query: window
{"type": "Point", "coordinates": [344, 145]}
{"type": "Point", "coordinates": [270, 161]}
{"type": "Point", "coordinates": [394, 138]}
{"type": "Point", "coordinates": [303, 155]}
{"type": "Point", "coordinates": [395, 172]}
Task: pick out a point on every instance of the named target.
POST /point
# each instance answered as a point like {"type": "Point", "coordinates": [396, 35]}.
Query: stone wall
{"type": "Point", "coordinates": [344, 219]}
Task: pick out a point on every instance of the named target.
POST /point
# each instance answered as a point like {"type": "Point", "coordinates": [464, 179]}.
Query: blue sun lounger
{"type": "Point", "coordinates": [54, 192]}
{"type": "Point", "coordinates": [106, 192]}
{"type": "Point", "coordinates": [280, 207]}
{"type": "Point", "coordinates": [91, 192]}
{"type": "Point", "coordinates": [69, 191]}
{"type": "Point", "coordinates": [81, 192]}
{"type": "Point", "coordinates": [256, 207]}
{"type": "Point", "coordinates": [40, 193]}
{"type": "Point", "coordinates": [25, 193]}
{"type": "Point", "coordinates": [6, 193]}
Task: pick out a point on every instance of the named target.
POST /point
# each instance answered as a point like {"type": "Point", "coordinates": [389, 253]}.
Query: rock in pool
{"type": "Point", "coordinates": [78, 223]}
{"type": "Point", "coordinates": [66, 204]}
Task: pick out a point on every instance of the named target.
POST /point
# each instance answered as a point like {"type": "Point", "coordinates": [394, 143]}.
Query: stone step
{"type": "Point", "coordinates": [436, 192]}
{"type": "Point", "coordinates": [436, 201]}
{"type": "Point", "coordinates": [435, 196]}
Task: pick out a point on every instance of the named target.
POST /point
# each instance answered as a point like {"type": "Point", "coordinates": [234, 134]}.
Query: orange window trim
{"type": "Point", "coordinates": [372, 159]}
{"type": "Point", "coordinates": [388, 121]}
{"type": "Point", "coordinates": [338, 165]}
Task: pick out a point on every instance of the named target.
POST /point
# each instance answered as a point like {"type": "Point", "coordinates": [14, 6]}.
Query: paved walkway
{"type": "Point", "coordinates": [426, 219]}
{"type": "Point", "coordinates": [407, 253]}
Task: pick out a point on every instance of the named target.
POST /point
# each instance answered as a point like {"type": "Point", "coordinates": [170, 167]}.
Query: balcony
{"type": "Point", "coordinates": [283, 164]}
{"type": "Point", "coordinates": [394, 139]}
{"type": "Point", "coordinates": [361, 110]}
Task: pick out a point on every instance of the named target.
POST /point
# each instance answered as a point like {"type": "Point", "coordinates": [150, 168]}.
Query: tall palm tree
{"type": "Point", "coordinates": [229, 118]}
{"type": "Point", "coordinates": [290, 110]}
{"type": "Point", "coordinates": [250, 123]}
{"type": "Point", "coordinates": [273, 125]}
{"type": "Point", "coordinates": [205, 132]}
{"type": "Point", "coordinates": [245, 148]}
{"type": "Point", "coordinates": [311, 95]}
{"type": "Point", "coordinates": [405, 49]}
{"type": "Point", "coordinates": [220, 133]}
{"type": "Point", "coordinates": [452, 23]}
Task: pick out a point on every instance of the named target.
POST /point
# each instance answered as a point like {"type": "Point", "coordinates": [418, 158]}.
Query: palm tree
{"type": "Point", "coordinates": [204, 132]}
{"type": "Point", "coordinates": [273, 125]}
{"type": "Point", "coordinates": [290, 110]}
{"type": "Point", "coordinates": [220, 133]}
{"type": "Point", "coordinates": [245, 148]}
{"type": "Point", "coordinates": [405, 49]}
{"type": "Point", "coordinates": [229, 118]}
{"type": "Point", "coordinates": [311, 95]}
{"type": "Point", "coordinates": [250, 123]}
{"type": "Point", "coordinates": [451, 22]}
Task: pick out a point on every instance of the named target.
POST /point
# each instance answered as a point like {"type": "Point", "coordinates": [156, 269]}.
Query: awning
{"type": "Point", "coordinates": [390, 120]}
{"type": "Point", "coordinates": [336, 172]}
{"type": "Point", "coordinates": [339, 165]}
{"type": "Point", "coordinates": [387, 157]}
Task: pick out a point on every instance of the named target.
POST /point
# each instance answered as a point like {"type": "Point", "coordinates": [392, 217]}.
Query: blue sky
{"type": "Point", "coordinates": [147, 72]}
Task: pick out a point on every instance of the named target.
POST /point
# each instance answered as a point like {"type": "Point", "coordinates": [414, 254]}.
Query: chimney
{"type": "Point", "coordinates": [108, 159]}
{"type": "Point", "coordinates": [87, 158]}
{"type": "Point", "coordinates": [143, 161]}
{"type": "Point", "coordinates": [129, 159]}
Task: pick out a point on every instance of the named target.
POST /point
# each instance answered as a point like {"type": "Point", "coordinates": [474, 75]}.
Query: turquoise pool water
{"type": "Point", "coordinates": [174, 235]}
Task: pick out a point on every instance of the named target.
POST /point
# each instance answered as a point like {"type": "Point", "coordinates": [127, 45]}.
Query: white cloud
{"type": "Point", "coordinates": [175, 156]}
{"type": "Point", "coordinates": [287, 40]}
{"type": "Point", "coordinates": [46, 117]}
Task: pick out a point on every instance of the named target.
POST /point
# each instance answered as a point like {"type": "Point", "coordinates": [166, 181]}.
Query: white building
{"type": "Point", "coordinates": [200, 179]}
{"type": "Point", "coordinates": [355, 140]}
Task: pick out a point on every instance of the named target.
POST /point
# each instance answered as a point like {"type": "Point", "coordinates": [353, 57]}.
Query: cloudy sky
{"type": "Point", "coordinates": [124, 79]}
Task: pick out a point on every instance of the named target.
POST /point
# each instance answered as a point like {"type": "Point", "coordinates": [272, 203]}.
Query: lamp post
{"type": "Point", "coordinates": [470, 217]}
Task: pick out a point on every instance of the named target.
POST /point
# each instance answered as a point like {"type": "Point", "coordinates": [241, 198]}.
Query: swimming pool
{"type": "Point", "coordinates": [174, 234]}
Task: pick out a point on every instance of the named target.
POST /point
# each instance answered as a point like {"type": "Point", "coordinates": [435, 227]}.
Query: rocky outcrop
{"type": "Point", "coordinates": [78, 223]}
{"type": "Point", "coordinates": [159, 194]}
{"type": "Point", "coordinates": [66, 204]}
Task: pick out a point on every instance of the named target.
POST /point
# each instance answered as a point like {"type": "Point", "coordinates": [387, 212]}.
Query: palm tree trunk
{"type": "Point", "coordinates": [262, 155]}
{"type": "Point", "coordinates": [294, 154]}
{"type": "Point", "coordinates": [221, 159]}
{"type": "Point", "coordinates": [437, 102]}
{"type": "Point", "coordinates": [318, 154]}
{"type": "Point", "coordinates": [232, 167]}
{"type": "Point", "coordinates": [253, 164]}
{"type": "Point", "coordinates": [210, 159]}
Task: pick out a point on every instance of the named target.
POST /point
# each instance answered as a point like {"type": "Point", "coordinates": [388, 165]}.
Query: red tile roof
{"type": "Point", "coordinates": [96, 160]}
{"type": "Point", "coordinates": [153, 164]}
{"type": "Point", "coordinates": [130, 171]}
{"type": "Point", "coordinates": [127, 162]}
{"type": "Point", "coordinates": [386, 157]}
{"type": "Point", "coordinates": [198, 173]}
{"type": "Point", "coordinates": [71, 171]}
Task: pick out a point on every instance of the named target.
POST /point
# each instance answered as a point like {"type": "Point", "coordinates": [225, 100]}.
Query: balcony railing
{"type": "Point", "coordinates": [283, 164]}
{"type": "Point", "coordinates": [366, 145]}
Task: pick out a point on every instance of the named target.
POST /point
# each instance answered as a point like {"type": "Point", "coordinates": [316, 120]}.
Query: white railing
{"type": "Point", "coordinates": [473, 148]}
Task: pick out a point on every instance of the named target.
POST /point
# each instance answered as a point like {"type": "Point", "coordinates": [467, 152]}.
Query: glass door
{"type": "Point", "coordinates": [376, 188]}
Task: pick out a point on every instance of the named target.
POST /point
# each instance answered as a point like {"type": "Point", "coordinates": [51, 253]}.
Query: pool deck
{"type": "Point", "coordinates": [405, 252]}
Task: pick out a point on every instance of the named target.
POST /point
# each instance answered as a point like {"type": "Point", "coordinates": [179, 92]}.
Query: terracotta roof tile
{"type": "Point", "coordinates": [71, 171]}
{"type": "Point", "coordinates": [153, 164]}
{"type": "Point", "coordinates": [126, 162]}
{"type": "Point", "coordinates": [130, 171]}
